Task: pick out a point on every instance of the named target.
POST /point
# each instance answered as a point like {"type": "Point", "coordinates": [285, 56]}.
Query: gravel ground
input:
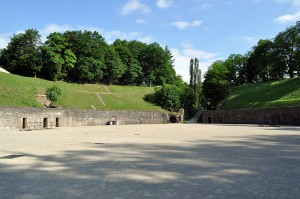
{"type": "Point", "coordinates": [151, 161]}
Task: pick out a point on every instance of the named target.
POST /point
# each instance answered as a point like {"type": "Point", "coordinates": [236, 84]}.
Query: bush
{"type": "Point", "coordinates": [168, 97]}
{"type": "Point", "coordinates": [53, 93]}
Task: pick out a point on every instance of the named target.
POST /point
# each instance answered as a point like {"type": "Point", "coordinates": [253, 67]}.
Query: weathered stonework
{"type": "Point", "coordinates": [269, 116]}
{"type": "Point", "coordinates": [37, 118]}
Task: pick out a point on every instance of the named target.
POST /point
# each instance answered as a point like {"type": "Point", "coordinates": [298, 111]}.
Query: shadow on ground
{"type": "Point", "coordinates": [257, 167]}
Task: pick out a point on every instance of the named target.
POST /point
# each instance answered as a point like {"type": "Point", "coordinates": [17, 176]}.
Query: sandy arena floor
{"type": "Point", "coordinates": [151, 161]}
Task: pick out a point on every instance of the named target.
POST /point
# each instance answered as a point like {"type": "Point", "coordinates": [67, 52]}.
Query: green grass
{"type": "Point", "coordinates": [20, 91]}
{"type": "Point", "coordinates": [267, 94]}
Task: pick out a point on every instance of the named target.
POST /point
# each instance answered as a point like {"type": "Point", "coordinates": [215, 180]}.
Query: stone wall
{"type": "Point", "coordinates": [270, 116]}
{"type": "Point", "coordinates": [37, 118]}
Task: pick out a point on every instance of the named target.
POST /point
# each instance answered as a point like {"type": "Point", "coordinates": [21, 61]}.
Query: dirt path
{"type": "Point", "coordinates": [100, 98]}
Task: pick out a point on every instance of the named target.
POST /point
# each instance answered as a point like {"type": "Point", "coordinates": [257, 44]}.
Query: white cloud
{"type": "Point", "coordinates": [196, 23]}
{"type": "Point", "coordinates": [147, 39]}
{"type": "Point", "coordinates": [164, 4]}
{"type": "Point", "coordinates": [183, 57]}
{"type": "Point", "coordinates": [245, 39]}
{"type": "Point", "coordinates": [296, 3]}
{"type": "Point", "coordinates": [181, 24]}
{"type": "Point", "coordinates": [288, 18]}
{"type": "Point", "coordinates": [200, 6]}
{"type": "Point", "coordinates": [184, 24]}
{"type": "Point", "coordinates": [4, 39]}
{"type": "Point", "coordinates": [51, 28]}
{"type": "Point", "coordinates": [134, 5]}
{"type": "Point", "coordinates": [109, 35]}
{"type": "Point", "coordinates": [141, 21]}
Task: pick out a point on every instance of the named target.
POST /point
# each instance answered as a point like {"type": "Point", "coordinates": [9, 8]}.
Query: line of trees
{"type": "Point", "coordinates": [270, 59]}
{"type": "Point", "coordinates": [85, 57]}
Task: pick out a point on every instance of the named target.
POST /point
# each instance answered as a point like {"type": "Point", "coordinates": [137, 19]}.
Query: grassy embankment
{"type": "Point", "coordinates": [20, 91]}
{"type": "Point", "coordinates": [267, 94]}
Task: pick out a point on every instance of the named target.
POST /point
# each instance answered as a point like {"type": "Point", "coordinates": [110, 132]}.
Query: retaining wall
{"type": "Point", "coordinates": [270, 116]}
{"type": "Point", "coordinates": [36, 118]}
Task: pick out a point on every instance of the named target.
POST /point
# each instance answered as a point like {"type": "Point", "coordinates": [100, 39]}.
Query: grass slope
{"type": "Point", "coordinates": [20, 91]}
{"type": "Point", "coordinates": [267, 94]}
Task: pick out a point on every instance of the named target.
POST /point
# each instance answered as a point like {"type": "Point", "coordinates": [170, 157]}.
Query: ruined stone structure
{"type": "Point", "coordinates": [268, 116]}
{"type": "Point", "coordinates": [38, 118]}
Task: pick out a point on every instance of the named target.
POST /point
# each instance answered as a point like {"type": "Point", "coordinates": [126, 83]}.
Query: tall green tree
{"type": "Point", "coordinates": [89, 49]}
{"type": "Point", "coordinates": [115, 69]}
{"type": "Point", "coordinates": [132, 68]}
{"type": "Point", "coordinates": [236, 65]}
{"type": "Point", "coordinates": [58, 60]}
{"type": "Point", "coordinates": [195, 83]}
{"type": "Point", "coordinates": [23, 54]}
{"type": "Point", "coordinates": [215, 85]}
{"type": "Point", "coordinates": [156, 65]}
{"type": "Point", "coordinates": [286, 44]}
{"type": "Point", "coordinates": [260, 62]}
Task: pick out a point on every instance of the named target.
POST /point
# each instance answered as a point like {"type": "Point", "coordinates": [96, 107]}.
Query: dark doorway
{"type": "Point", "coordinates": [24, 123]}
{"type": "Point", "coordinates": [45, 123]}
{"type": "Point", "coordinates": [57, 122]}
{"type": "Point", "coordinates": [173, 119]}
{"type": "Point", "coordinates": [209, 120]}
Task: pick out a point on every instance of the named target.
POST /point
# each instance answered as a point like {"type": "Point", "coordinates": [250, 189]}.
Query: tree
{"type": "Point", "coordinates": [236, 65]}
{"type": "Point", "coordinates": [114, 66]}
{"type": "Point", "coordinates": [286, 44]}
{"type": "Point", "coordinates": [133, 70]}
{"type": "Point", "coordinates": [195, 83]}
{"type": "Point", "coordinates": [58, 60]}
{"type": "Point", "coordinates": [23, 55]}
{"type": "Point", "coordinates": [156, 66]}
{"type": "Point", "coordinates": [89, 49]}
{"type": "Point", "coordinates": [216, 85]}
{"type": "Point", "coordinates": [170, 71]}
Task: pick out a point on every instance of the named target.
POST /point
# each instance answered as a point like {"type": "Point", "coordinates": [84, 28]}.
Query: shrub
{"type": "Point", "coordinates": [168, 97]}
{"type": "Point", "coordinates": [53, 93]}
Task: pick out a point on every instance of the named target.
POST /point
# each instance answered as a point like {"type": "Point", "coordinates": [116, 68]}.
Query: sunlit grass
{"type": "Point", "coordinates": [268, 94]}
{"type": "Point", "coordinates": [20, 91]}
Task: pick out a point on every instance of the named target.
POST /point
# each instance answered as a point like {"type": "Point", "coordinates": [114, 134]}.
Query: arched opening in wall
{"type": "Point", "coordinates": [173, 119]}
{"type": "Point", "coordinates": [24, 123]}
{"type": "Point", "coordinates": [209, 120]}
{"type": "Point", "coordinates": [57, 122]}
{"type": "Point", "coordinates": [45, 122]}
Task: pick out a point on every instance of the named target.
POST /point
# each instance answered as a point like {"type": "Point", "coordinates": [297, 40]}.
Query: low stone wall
{"type": "Point", "coordinates": [37, 118]}
{"type": "Point", "coordinates": [269, 116]}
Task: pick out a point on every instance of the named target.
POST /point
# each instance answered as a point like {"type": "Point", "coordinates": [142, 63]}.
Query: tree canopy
{"type": "Point", "coordinates": [269, 59]}
{"type": "Point", "coordinates": [85, 57]}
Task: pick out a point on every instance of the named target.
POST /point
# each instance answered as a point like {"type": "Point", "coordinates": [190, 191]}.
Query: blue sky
{"type": "Point", "coordinates": [205, 29]}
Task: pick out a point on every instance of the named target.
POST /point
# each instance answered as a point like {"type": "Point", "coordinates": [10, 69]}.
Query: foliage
{"type": "Point", "coordinates": [22, 54]}
{"type": "Point", "coordinates": [85, 57]}
{"type": "Point", "coordinates": [89, 49]}
{"type": "Point", "coordinates": [194, 93]}
{"type": "Point", "coordinates": [216, 85]}
{"type": "Point", "coordinates": [53, 93]}
{"type": "Point", "coordinates": [114, 66]}
{"type": "Point", "coordinates": [167, 96]}
{"type": "Point", "coordinates": [58, 59]}
{"type": "Point", "coordinates": [156, 65]}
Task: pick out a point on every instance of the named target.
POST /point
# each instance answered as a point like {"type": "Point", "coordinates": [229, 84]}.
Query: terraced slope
{"type": "Point", "coordinates": [21, 91]}
{"type": "Point", "coordinates": [268, 94]}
